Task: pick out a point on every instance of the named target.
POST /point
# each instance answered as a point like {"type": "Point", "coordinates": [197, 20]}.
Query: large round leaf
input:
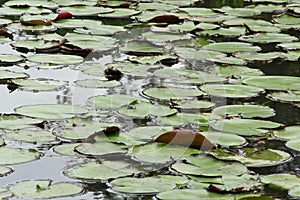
{"type": "Point", "coordinates": [100, 170]}
{"type": "Point", "coordinates": [289, 96]}
{"type": "Point", "coordinates": [13, 122]}
{"type": "Point", "coordinates": [83, 11]}
{"type": "Point", "coordinates": [100, 148]}
{"type": "Point", "coordinates": [288, 133]}
{"type": "Point", "coordinates": [6, 74]}
{"type": "Point", "coordinates": [246, 111]}
{"type": "Point", "coordinates": [274, 82]}
{"type": "Point", "coordinates": [10, 155]}
{"type": "Point", "coordinates": [268, 38]}
{"type": "Point", "coordinates": [95, 83]}
{"type": "Point", "coordinates": [231, 91]}
{"type": "Point", "coordinates": [183, 118]}
{"type": "Point", "coordinates": [294, 144]}
{"type": "Point", "coordinates": [113, 101]}
{"type": "Point", "coordinates": [283, 181]}
{"type": "Point", "coordinates": [32, 136]}
{"type": "Point", "coordinates": [38, 84]}
{"type": "Point", "coordinates": [246, 127]}
{"type": "Point", "coordinates": [50, 111]}
{"type": "Point", "coordinates": [224, 139]}
{"type": "Point", "coordinates": [192, 194]}
{"type": "Point", "coordinates": [56, 59]}
{"type": "Point", "coordinates": [44, 189]}
{"type": "Point", "coordinates": [232, 47]}
{"type": "Point", "coordinates": [142, 48]}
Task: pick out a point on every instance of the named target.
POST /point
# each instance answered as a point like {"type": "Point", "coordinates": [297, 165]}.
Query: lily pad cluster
{"type": "Point", "coordinates": [170, 100]}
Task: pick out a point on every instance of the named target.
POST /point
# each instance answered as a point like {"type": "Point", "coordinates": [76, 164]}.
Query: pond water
{"type": "Point", "coordinates": [228, 71]}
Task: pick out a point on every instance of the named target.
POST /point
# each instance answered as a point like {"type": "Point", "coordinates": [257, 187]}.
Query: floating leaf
{"type": "Point", "coordinates": [224, 32]}
{"type": "Point", "coordinates": [293, 144]}
{"type": "Point", "coordinates": [245, 111]}
{"type": "Point", "coordinates": [13, 122]}
{"type": "Point", "coordinates": [95, 83]}
{"type": "Point", "coordinates": [171, 93]}
{"type": "Point", "coordinates": [100, 148]}
{"type": "Point", "coordinates": [206, 165]}
{"type": "Point", "coordinates": [240, 12]}
{"type": "Point", "coordinates": [112, 101]}
{"type": "Point", "coordinates": [288, 133]}
{"type": "Point", "coordinates": [232, 47]}
{"type": "Point", "coordinates": [50, 111]}
{"type": "Point", "coordinates": [44, 189]}
{"type": "Point", "coordinates": [253, 157]}
{"type": "Point", "coordinates": [274, 82]}
{"type": "Point", "coordinates": [56, 59]}
{"type": "Point", "coordinates": [100, 170]}
{"type": "Point", "coordinates": [67, 149]}
{"type": "Point", "coordinates": [266, 38]}
{"type": "Point", "coordinates": [10, 11]}
{"type": "Point", "coordinates": [224, 139]}
{"type": "Point", "coordinates": [193, 105]}
{"type": "Point", "coordinates": [106, 30]}
{"type": "Point", "coordinates": [289, 96]}
{"type": "Point", "coordinates": [231, 91]}
{"type": "Point", "coordinates": [10, 59]}
{"type": "Point", "coordinates": [192, 194]}
{"type": "Point", "coordinates": [38, 84]}
{"type": "Point", "coordinates": [263, 57]}
{"type": "Point", "coordinates": [143, 109]}
{"type": "Point", "coordinates": [82, 11]}
{"type": "Point", "coordinates": [231, 70]}
{"type": "Point", "coordinates": [161, 153]}
{"type": "Point", "coordinates": [32, 136]}
{"type": "Point", "coordinates": [245, 127]}
{"type": "Point", "coordinates": [120, 13]}
{"type": "Point", "coordinates": [11, 155]}
{"type": "Point", "coordinates": [295, 191]}
{"type": "Point", "coordinates": [6, 74]}
{"type": "Point", "coordinates": [164, 36]}
{"type": "Point", "coordinates": [75, 23]}
{"type": "Point", "coordinates": [148, 185]}
{"type": "Point", "coordinates": [281, 181]}
{"type": "Point", "coordinates": [192, 54]}
{"type": "Point", "coordinates": [142, 48]}
{"type": "Point", "coordinates": [186, 138]}
{"type": "Point", "coordinates": [33, 3]}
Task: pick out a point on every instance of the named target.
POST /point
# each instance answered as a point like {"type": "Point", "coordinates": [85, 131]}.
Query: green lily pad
{"type": "Point", "coordinates": [152, 59]}
{"type": "Point", "coordinates": [7, 74]}
{"type": "Point", "coordinates": [142, 48]}
{"type": "Point", "coordinates": [38, 84]}
{"type": "Point", "coordinates": [120, 13]}
{"type": "Point", "coordinates": [50, 111]}
{"type": "Point", "coordinates": [224, 139]}
{"type": "Point", "coordinates": [10, 11]}
{"type": "Point", "coordinates": [240, 12]}
{"type": "Point", "coordinates": [11, 155]}
{"type": "Point", "coordinates": [56, 59]}
{"type": "Point", "coordinates": [252, 157]}
{"type": "Point", "coordinates": [4, 171]}
{"type": "Point", "coordinates": [295, 191]}
{"type": "Point", "coordinates": [32, 136]}
{"type": "Point", "coordinates": [113, 101]}
{"type": "Point", "coordinates": [193, 105]}
{"type": "Point", "coordinates": [228, 61]}
{"type": "Point", "coordinates": [2, 142]}
{"type": "Point", "coordinates": [192, 54]}
{"type": "Point", "coordinates": [281, 181]}
{"type": "Point", "coordinates": [67, 149]}
{"type": "Point", "coordinates": [33, 3]}
{"type": "Point", "coordinates": [288, 133]}
{"type": "Point", "coordinates": [65, 3]}
{"type": "Point", "coordinates": [225, 32]}
{"type": "Point", "coordinates": [106, 30]}
{"type": "Point", "coordinates": [5, 193]}
{"type": "Point", "coordinates": [206, 165]}
{"type": "Point", "coordinates": [100, 148]}
{"type": "Point", "coordinates": [35, 28]}
{"type": "Point", "coordinates": [83, 11]}
{"type": "Point", "coordinates": [241, 21]}
{"type": "Point", "coordinates": [231, 70]}
{"type": "Point", "coordinates": [161, 153]}
{"type": "Point", "coordinates": [13, 122]}
{"type": "Point", "coordinates": [293, 144]}
{"type": "Point", "coordinates": [232, 47]}
{"type": "Point", "coordinates": [182, 118]}
{"type": "Point", "coordinates": [156, 6]}
{"type": "Point", "coordinates": [192, 194]}
{"type": "Point", "coordinates": [289, 46]}
{"type": "Point", "coordinates": [10, 59]}
{"type": "Point", "coordinates": [246, 127]}
{"type": "Point", "coordinates": [287, 20]}
{"type": "Point", "coordinates": [245, 111]}
{"type": "Point", "coordinates": [75, 23]}
{"type": "Point", "coordinates": [187, 76]}
{"type": "Point", "coordinates": [274, 82]}
{"type": "Point", "coordinates": [289, 96]}
{"type": "Point", "coordinates": [200, 12]}
{"type": "Point", "coordinates": [265, 57]}
{"type": "Point", "coordinates": [171, 93]}
{"type": "Point", "coordinates": [265, 38]}
{"type": "Point", "coordinates": [147, 185]}
{"type": "Point", "coordinates": [164, 36]}
{"type": "Point", "coordinates": [143, 109]}
{"type": "Point", "coordinates": [231, 91]}
{"type": "Point", "coordinates": [32, 45]}
{"type": "Point", "coordinates": [44, 189]}
{"type": "Point", "coordinates": [91, 69]}
{"type": "Point", "coordinates": [95, 83]}
{"type": "Point", "coordinates": [100, 170]}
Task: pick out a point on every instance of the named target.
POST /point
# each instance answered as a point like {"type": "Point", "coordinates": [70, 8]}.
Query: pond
{"type": "Point", "coordinates": [150, 99]}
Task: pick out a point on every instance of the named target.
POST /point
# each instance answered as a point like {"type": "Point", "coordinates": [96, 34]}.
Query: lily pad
{"type": "Point", "coordinates": [192, 54]}
{"type": "Point", "coordinates": [95, 83]}
{"type": "Point", "coordinates": [289, 46]}
{"type": "Point", "coordinates": [289, 96]}
{"type": "Point", "coordinates": [2, 142]}
{"type": "Point", "coordinates": [161, 153]}
{"type": "Point", "coordinates": [199, 12]}
{"type": "Point", "coordinates": [281, 181]}
{"type": "Point", "coordinates": [206, 165]}
{"type": "Point", "coordinates": [38, 84]}
{"type": "Point", "coordinates": [50, 111]}
{"type": "Point", "coordinates": [32, 136]}
{"type": "Point", "coordinates": [56, 59]}
{"type": "Point", "coordinates": [240, 12]}
{"type": "Point", "coordinates": [231, 91]}
{"type": "Point", "coordinates": [7, 74]}
{"type": "Point", "coordinates": [113, 101]}
{"type": "Point", "coordinates": [34, 3]}
{"type": "Point", "coordinates": [44, 189]}
{"type": "Point", "coordinates": [287, 19]}
{"type": "Point", "coordinates": [295, 191]}
{"type": "Point", "coordinates": [192, 194]}
{"type": "Point", "coordinates": [228, 60]}
{"type": "Point", "coordinates": [288, 133]}
{"type": "Point", "coordinates": [252, 157]}
{"type": "Point", "coordinates": [4, 171]}
{"type": "Point", "coordinates": [262, 57]}
{"type": "Point", "coordinates": [230, 32]}
{"type": "Point", "coordinates": [293, 144]}
{"type": "Point", "coordinates": [143, 109]}
{"type": "Point", "coordinates": [13, 122]}
{"type": "Point", "coordinates": [193, 105]}
{"type": "Point", "coordinates": [106, 30]}
{"type": "Point", "coordinates": [246, 127]}
{"type": "Point", "coordinates": [100, 170]}
{"type": "Point", "coordinates": [83, 11]}
{"type": "Point", "coordinates": [232, 47]}
{"type": "Point", "coordinates": [232, 70]}
{"type": "Point", "coordinates": [160, 37]}
{"type": "Point", "coordinates": [147, 185]}
{"type": "Point", "coordinates": [120, 13]}
{"type": "Point", "coordinates": [142, 48]}
{"type": "Point", "coordinates": [274, 82]}
{"type": "Point", "coordinates": [100, 148]}
{"type": "Point", "coordinates": [183, 118]}
{"type": "Point", "coordinates": [11, 155]}
{"type": "Point", "coordinates": [67, 149]}
{"type": "Point", "coordinates": [171, 93]}
{"type": "Point", "coordinates": [245, 111]}
{"type": "Point", "coordinates": [10, 11]}
{"type": "Point", "coordinates": [10, 59]}
{"type": "Point", "coordinates": [265, 38]}
{"type": "Point", "coordinates": [224, 139]}
{"type": "Point", "coordinates": [75, 23]}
